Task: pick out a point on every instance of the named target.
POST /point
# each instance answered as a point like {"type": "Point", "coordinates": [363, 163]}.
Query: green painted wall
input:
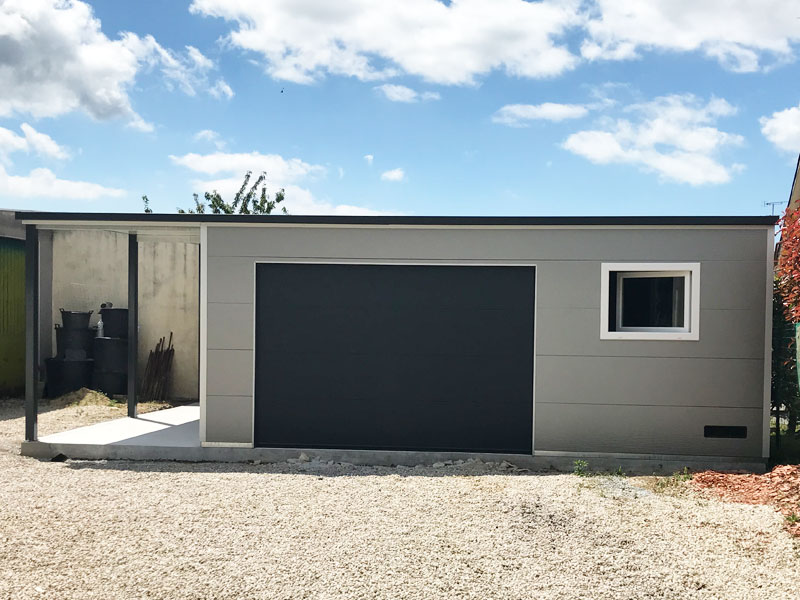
{"type": "Point", "coordinates": [12, 317]}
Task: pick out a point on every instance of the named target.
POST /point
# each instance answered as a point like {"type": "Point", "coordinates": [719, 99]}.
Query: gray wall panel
{"type": "Point", "coordinates": [230, 373]}
{"type": "Point", "coordinates": [733, 280]}
{"type": "Point", "coordinates": [231, 417]}
{"type": "Point", "coordinates": [649, 381]}
{"type": "Point", "coordinates": [732, 284]}
{"type": "Point", "coordinates": [578, 284]}
{"type": "Point", "coordinates": [477, 244]}
{"type": "Point", "coordinates": [723, 334]}
{"type": "Point", "coordinates": [230, 279]}
{"type": "Point", "coordinates": [644, 429]}
{"type": "Point", "coordinates": [230, 326]}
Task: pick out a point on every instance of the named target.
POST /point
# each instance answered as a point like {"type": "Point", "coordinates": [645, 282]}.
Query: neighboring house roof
{"type": "Point", "coordinates": [197, 219]}
{"type": "Point", "coordinates": [10, 227]}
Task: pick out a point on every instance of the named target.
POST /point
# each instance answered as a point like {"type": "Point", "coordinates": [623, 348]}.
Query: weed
{"type": "Point", "coordinates": [674, 482]}
{"type": "Point", "coordinates": [580, 468]}
{"type": "Point", "coordinates": [793, 518]}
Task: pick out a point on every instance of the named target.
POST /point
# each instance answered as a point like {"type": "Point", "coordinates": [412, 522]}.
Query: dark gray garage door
{"type": "Point", "coordinates": [394, 357]}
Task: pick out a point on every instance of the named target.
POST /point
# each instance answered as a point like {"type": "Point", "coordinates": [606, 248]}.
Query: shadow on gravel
{"type": "Point", "coordinates": [311, 469]}
{"type": "Point", "coordinates": [14, 408]}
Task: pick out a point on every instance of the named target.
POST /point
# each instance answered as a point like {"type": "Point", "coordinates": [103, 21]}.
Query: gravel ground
{"type": "Point", "coordinates": [82, 529]}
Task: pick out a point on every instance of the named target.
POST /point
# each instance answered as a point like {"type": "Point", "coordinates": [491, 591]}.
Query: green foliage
{"type": "Point", "coordinates": [249, 200]}
{"type": "Point", "coordinates": [673, 483]}
{"type": "Point", "coordinates": [793, 518]}
{"type": "Point", "coordinates": [785, 393]}
{"type": "Point", "coordinates": [580, 468]}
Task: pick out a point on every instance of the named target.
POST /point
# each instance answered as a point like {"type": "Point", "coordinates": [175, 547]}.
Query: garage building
{"type": "Point", "coordinates": [526, 336]}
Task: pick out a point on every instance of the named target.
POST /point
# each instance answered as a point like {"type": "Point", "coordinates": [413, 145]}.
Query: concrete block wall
{"type": "Point", "coordinates": [91, 267]}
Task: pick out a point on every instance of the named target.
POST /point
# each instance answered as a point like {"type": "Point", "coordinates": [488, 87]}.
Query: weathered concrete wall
{"type": "Point", "coordinates": [91, 267]}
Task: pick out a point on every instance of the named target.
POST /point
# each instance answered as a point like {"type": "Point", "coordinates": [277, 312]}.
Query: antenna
{"type": "Point", "coordinates": [772, 205]}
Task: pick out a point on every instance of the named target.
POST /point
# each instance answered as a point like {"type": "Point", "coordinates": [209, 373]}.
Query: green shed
{"type": "Point", "coordinates": [12, 317]}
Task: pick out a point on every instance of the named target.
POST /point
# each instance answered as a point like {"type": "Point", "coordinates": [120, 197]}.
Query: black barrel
{"type": "Point", "coordinates": [115, 322]}
{"type": "Point", "coordinates": [74, 344]}
{"type": "Point", "coordinates": [111, 354]}
{"type": "Point", "coordinates": [110, 383]}
{"type": "Point", "coordinates": [64, 376]}
{"type": "Point", "coordinates": [111, 365]}
{"type": "Point", "coordinates": [75, 319]}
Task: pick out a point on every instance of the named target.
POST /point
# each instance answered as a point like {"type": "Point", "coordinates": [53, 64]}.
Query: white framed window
{"type": "Point", "coordinates": [650, 301]}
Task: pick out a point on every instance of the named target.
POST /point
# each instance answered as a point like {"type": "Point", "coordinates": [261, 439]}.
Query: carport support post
{"type": "Point", "coordinates": [31, 331]}
{"type": "Point", "coordinates": [133, 320]}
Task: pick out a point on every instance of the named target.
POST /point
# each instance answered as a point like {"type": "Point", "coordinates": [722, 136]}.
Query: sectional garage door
{"type": "Point", "coordinates": [398, 357]}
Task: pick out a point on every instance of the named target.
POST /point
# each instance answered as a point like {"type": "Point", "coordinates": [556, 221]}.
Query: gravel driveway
{"type": "Point", "coordinates": [175, 530]}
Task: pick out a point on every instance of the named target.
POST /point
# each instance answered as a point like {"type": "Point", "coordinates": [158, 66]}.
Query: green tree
{"type": "Point", "coordinates": [251, 199]}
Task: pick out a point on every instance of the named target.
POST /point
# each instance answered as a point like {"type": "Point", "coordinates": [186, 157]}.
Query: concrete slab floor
{"type": "Point", "coordinates": [174, 427]}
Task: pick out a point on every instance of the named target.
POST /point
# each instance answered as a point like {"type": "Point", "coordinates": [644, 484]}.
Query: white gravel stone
{"type": "Point", "coordinates": [120, 529]}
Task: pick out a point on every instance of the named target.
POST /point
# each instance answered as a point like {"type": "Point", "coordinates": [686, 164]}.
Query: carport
{"type": "Point", "coordinates": [39, 267]}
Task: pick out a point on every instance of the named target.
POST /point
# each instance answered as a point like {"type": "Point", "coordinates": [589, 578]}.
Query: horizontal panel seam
{"type": "Point", "coordinates": [753, 358]}
{"type": "Point", "coordinates": [237, 349]}
{"type": "Point", "coordinates": [758, 407]}
{"type": "Point", "coordinates": [759, 360]}
{"type": "Point", "coordinates": [589, 261]}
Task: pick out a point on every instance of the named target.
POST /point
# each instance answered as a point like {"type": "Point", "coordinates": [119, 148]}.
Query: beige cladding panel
{"type": "Point", "coordinates": [497, 244]}
{"type": "Point", "coordinates": [591, 394]}
{"type": "Point", "coordinates": [644, 429]}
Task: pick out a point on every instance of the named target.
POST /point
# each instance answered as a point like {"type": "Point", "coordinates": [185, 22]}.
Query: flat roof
{"type": "Point", "coordinates": [197, 219]}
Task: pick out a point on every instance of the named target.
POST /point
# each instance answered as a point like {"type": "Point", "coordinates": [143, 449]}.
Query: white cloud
{"type": "Point", "coordinates": [139, 124]}
{"type": "Point", "coordinates": [672, 136]}
{"type": "Point", "coordinates": [520, 115]}
{"type": "Point", "coordinates": [444, 43]}
{"type": "Point", "coordinates": [30, 141]}
{"type": "Point", "coordinates": [401, 93]}
{"type": "Point", "coordinates": [278, 168]}
{"type": "Point", "coordinates": [209, 135]}
{"type": "Point", "coordinates": [782, 128]}
{"type": "Point", "coordinates": [55, 59]}
{"type": "Point", "coordinates": [743, 35]}
{"type": "Point", "coordinates": [281, 173]}
{"type": "Point", "coordinates": [220, 89]}
{"type": "Point", "coordinates": [393, 175]}
{"type": "Point", "coordinates": [43, 183]}
{"type": "Point", "coordinates": [369, 158]}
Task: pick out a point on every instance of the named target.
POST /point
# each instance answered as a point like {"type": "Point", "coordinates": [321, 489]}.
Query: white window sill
{"type": "Point", "coordinates": [684, 336]}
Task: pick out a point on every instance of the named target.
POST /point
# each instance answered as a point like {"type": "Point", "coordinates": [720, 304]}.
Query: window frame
{"type": "Point", "coordinates": [691, 329]}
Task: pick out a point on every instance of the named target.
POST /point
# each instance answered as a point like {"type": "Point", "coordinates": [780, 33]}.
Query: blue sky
{"type": "Point", "coordinates": [494, 107]}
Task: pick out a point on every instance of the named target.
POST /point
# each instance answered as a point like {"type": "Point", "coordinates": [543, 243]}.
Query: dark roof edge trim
{"type": "Point", "coordinates": [391, 220]}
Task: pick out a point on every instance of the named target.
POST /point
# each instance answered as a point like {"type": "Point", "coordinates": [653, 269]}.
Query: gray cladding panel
{"type": "Point", "coordinates": [230, 326]}
{"type": "Point", "coordinates": [230, 279]}
{"type": "Point", "coordinates": [230, 373]}
{"type": "Point", "coordinates": [723, 334]}
{"type": "Point", "coordinates": [229, 419]}
{"type": "Point", "coordinates": [733, 279]}
{"type": "Point", "coordinates": [481, 244]}
{"type": "Point", "coordinates": [649, 381]}
{"type": "Point", "coordinates": [644, 429]}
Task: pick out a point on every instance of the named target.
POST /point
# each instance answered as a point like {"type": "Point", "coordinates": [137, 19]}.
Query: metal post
{"type": "Point", "coordinates": [133, 320]}
{"type": "Point", "coordinates": [31, 331]}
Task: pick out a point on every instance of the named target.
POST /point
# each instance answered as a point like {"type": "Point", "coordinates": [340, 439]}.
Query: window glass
{"type": "Point", "coordinates": [652, 301]}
